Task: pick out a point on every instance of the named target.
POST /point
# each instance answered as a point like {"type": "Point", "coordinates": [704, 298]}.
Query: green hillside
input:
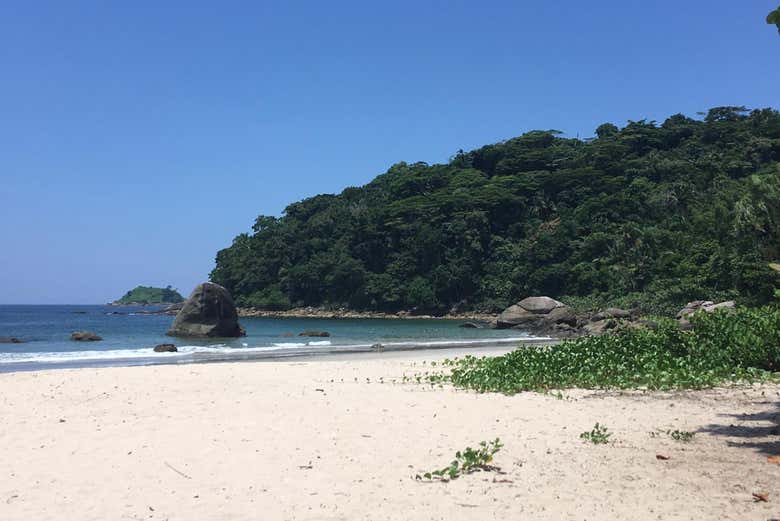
{"type": "Point", "coordinates": [150, 295]}
{"type": "Point", "coordinates": [648, 215]}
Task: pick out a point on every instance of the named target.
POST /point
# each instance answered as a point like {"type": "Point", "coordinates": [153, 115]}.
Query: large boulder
{"type": "Point", "coordinates": [540, 305]}
{"type": "Point", "coordinates": [515, 316]}
{"type": "Point", "coordinates": [208, 312]}
{"type": "Point", "coordinates": [538, 314]}
{"type": "Point", "coordinates": [165, 348]}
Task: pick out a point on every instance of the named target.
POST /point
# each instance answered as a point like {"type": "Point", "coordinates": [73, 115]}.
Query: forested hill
{"type": "Point", "coordinates": [646, 215]}
{"type": "Point", "coordinates": [146, 295]}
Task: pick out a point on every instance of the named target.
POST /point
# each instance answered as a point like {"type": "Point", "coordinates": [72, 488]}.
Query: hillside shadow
{"type": "Point", "coordinates": [759, 431]}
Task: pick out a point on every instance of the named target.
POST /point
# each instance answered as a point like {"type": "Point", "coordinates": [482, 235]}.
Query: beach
{"type": "Point", "coordinates": [343, 438]}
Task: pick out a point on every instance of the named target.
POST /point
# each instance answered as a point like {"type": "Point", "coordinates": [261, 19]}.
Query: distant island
{"type": "Point", "coordinates": [147, 295]}
{"type": "Point", "coordinates": [648, 216]}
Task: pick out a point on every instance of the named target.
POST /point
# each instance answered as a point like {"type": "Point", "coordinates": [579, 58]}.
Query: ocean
{"type": "Point", "coordinates": [130, 335]}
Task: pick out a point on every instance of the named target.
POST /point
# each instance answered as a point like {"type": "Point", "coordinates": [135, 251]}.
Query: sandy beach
{"type": "Point", "coordinates": [343, 438]}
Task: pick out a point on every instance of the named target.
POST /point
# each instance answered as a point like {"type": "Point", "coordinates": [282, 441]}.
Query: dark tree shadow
{"type": "Point", "coordinates": [758, 431]}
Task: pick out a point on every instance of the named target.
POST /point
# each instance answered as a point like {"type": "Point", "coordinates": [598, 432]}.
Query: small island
{"type": "Point", "coordinates": [149, 296]}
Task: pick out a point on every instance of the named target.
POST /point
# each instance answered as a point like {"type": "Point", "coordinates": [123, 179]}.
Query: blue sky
{"type": "Point", "coordinates": [138, 138]}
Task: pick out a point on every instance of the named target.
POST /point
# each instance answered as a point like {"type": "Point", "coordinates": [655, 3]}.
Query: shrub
{"type": "Point", "coordinates": [742, 345]}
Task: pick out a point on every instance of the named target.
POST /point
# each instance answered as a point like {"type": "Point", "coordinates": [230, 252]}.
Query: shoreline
{"type": "Point", "coordinates": [307, 353]}
{"type": "Point", "coordinates": [343, 439]}
{"type": "Point", "coordinates": [310, 312]}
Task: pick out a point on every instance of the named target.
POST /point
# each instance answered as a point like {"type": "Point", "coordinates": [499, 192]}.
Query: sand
{"type": "Point", "coordinates": [325, 439]}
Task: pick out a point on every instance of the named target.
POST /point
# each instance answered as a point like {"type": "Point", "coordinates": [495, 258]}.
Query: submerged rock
{"type": "Point", "coordinates": [208, 312]}
{"type": "Point", "coordinates": [85, 336]}
{"type": "Point", "coordinates": [165, 348]}
{"type": "Point", "coordinates": [11, 340]}
{"type": "Point", "coordinates": [314, 333]}
{"type": "Point", "coordinates": [470, 325]}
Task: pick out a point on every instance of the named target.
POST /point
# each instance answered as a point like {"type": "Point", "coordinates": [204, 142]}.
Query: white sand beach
{"type": "Point", "coordinates": [343, 438]}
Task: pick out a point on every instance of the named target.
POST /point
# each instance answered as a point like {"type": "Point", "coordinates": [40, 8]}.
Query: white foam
{"type": "Point", "coordinates": [190, 351]}
{"type": "Point", "coordinates": [303, 344]}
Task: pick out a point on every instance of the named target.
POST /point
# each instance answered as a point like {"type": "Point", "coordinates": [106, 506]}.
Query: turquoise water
{"type": "Point", "coordinates": [128, 337]}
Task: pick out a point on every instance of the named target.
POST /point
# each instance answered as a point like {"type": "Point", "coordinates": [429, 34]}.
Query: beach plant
{"type": "Point", "coordinates": [681, 436]}
{"type": "Point", "coordinates": [466, 461]}
{"type": "Point", "coordinates": [597, 435]}
{"type": "Point", "coordinates": [742, 345]}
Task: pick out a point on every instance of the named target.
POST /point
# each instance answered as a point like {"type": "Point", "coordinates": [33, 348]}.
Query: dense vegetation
{"type": "Point", "coordinates": [647, 215]}
{"type": "Point", "coordinates": [150, 295]}
{"type": "Point", "coordinates": [743, 345]}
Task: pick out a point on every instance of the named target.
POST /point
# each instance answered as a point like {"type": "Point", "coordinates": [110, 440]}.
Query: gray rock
{"type": "Point", "coordinates": [540, 305]}
{"type": "Point", "coordinates": [85, 336]}
{"type": "Point", "coordinates": [617, 313]}
{"type": "Point", "coordinates": [562, 315]}
{"type": "Point", "coordinates": [165, 348]}
{"type": "Point", "coordinates": [729, 304]}
{"type": "Point", "coordinates": [707, 306]}
{"type": "Point", "coordinates": [515, 316]}
{"type": "Point", "coordinates": [314, 333]}
{"type": "Point", "coordinates": [694, 306]}
{"type": "Point", "coordinates": [540, 315]}
{"type": "Point", "coordinates": [208, 312]}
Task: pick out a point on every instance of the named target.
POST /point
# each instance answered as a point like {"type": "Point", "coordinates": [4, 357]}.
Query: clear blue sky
{"type": "Point", "coordinates": [137, 138]}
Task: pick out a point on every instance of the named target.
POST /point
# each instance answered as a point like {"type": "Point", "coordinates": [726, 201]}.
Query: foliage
{"type": "Point", "coordinates": [599, 434]}
{"type": "Point", "coordinates": [466, 461]}
{"type": "Point", "coordinates": [682, 436]}
{"type": "Point", "coordinates": [648, 215]}
{"type": "Point", "coordinates": [676, 435]}
{"type": "Point", "coordinates": [774, 18]}
{"type": "Point", "coordinates": [150, 295]}
{"type": "Point", "coordinates": [743, 345]}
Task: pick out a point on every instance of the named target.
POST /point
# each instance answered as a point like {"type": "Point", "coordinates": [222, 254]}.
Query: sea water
{"type": "Point", "coordinates": [130, 334]}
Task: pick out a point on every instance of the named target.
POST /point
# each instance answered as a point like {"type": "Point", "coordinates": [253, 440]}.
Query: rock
{"type": "Point", "coordinates": [470, 325]}
{"type": "Point", "coordinates": [707, 306]}
{"type": "Point", "coordinates": [173, 309]}
{"type": "Point", "coordinates": [314, 333]}
{"type": "Point", "coordinates": [562, 315]}
{"type": "Point", "coordinates": [165, 348]}
{"type": "Point", "coordinates": [685, 324]}
{"type": "Point", "coordinates": [377, 347]}
{"type": "Point", "coordinates": [540, 315]}
{"type": "Point", "coordinates": [729, 304]}
{"type": "Point", "coordinates": [617, 313]}
{"type": "Point", "coordinates": [692, 307]}
{"type": "Point", "coordinates": [11, 340]}
{"type": "Point", "coordinates": [540, 305]}
{"type": "Point", "coordinates": [85, 336]}
{"type": "Point", "coordinates": [515, 316]}
{"type": "Point", "coordinates": [208, 312]}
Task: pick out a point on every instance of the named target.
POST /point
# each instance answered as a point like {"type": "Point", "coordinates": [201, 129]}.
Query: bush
{"type": "Point", "coordinates": [271, 298]}
{"type": "Point", "coordinates": [742, 345]}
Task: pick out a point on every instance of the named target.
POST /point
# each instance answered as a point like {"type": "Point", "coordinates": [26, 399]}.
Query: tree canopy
{"type": "Point", "coordinates": [774, 18]}
{"type": "Point", "coordinates": [648, 215]}
{"type": "Point", "coordinates": [151, 295]}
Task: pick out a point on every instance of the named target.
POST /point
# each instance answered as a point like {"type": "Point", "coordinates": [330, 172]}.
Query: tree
{"type": "Point", "coordinates": [774, 18]}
